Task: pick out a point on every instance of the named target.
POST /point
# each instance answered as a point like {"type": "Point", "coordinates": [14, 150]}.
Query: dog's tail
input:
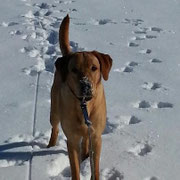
{"type": "Point", "coordinates": [64, 36]}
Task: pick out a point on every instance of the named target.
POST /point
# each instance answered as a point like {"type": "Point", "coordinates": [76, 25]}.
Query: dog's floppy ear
{"type": "Point", "coordinates": [62, 66]}
{"type": "Point", "coordinates": [105, 63]}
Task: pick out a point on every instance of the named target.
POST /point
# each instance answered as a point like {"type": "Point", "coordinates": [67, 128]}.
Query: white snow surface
{"type": "Point", "coordinates": [142, 137]}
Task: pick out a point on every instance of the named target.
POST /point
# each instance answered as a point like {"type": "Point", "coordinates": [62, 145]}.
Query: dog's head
{"type": "Point", "coordinates": [82, 72]}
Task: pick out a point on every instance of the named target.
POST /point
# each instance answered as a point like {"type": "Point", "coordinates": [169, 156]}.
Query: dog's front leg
{"type": "Point", "coordinates": [54, 112]}
{"type": "Point", "coordinates": [54, 136]}
{"type": "Point", "coordinates": [74, 157]}
{"type": "Point", "coordinates": [97, 141]}
{"type": "Point", "coordinates": [54, 120]}
{"type": "Point", "coordinates": [85, 148]}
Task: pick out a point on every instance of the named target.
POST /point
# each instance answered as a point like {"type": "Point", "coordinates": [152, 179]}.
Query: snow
{"type": "Point", "coordinates": [141, 139]}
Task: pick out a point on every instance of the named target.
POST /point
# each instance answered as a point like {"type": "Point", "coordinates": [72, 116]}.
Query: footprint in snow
{"type": "Point", "coordinates": [138, 38]}
{"type": "Point", "coordinates": [16, 32]}
{"type": "Point", "coordinates": [134, 22]}
{"type": "Point", "coordinates": [155, 60]}
{"type": "Point", "coordinates": [132, 64]}
{"type": "Point", "coordinates": [49, 64]}
{"type": "Point", "coordinates": [55, 170]}
{"type": "Point", "coordinates": [110, 127]}
{"type": "Point", "coordinates": [31, 51]}
{"type": "Point", "coordinates": [134, 120]}
{"type": "Point", "coordinates": [139, 32]}
{"type": "Point", "coordinates": [75, 46]}
{"type": "Point", "coordinates": [119, 122]}
{"type": "Point", "coordinates": [42, 13]}
{"type": "Point", "coordinates": [66, 11]}
{"type": "Point", "coordinates": [53, 37]}
{"type": "Point", "coordinates": [8, 24]}
{"type": "Point", "coordinates": [143, 37]}
{"type": "Point", "coordinates": [156, 29]}
{"type": "Point", "coordinates": [40, 35]}
{"type": "Point", "coordinates": [101, 21]}
{"type": "Point", "coordinates": [55, 24]}
{"type": "Point", "coordinates": [42, 5]}
{"type": "Point", "coordinates": [145, 30]}
{"type": "Point", "coordinates": [141, 149]}
{"type": "Point", "coordinates": [152, 86]}
{"type": "Point", "coordinates": [145, 51]}
{"type": "Point", "coordinates": [150, 37]}
{"type": "Point", "coordinates": [156, 105]}
{"type": "Point", "coordinates": [142, 105]}
{"type": "Point", "coordinates": [162, 105]}
{"type": "Point", "coordinates": [80, 24]}
{"type": "Point", "coordinates": [151, 178]}
{"type": "Point", "coordinates": [45, 6]}
{"type": "Point", "coordinates": [24, 37]}
{"type": "Point", "coordinates": [29, 15]}
{"type": "Point", "coordinates": [111, 174]}
{"type": "Point", "coordinates": [132, 44]}
{"type": "Point", "coordinates": [128, 68]}
{"type": "Point", "coordinates": [128, 120]}
{"type": "Point", "coordinates": [50, 50]}
{"type": "Point", "coordinates": [85, 172]}
{"type": "Point", "coordinates": [64, 2]}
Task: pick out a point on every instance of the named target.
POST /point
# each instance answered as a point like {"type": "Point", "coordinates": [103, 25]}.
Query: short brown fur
{"type": "Point", "coordinates": [65, 104]}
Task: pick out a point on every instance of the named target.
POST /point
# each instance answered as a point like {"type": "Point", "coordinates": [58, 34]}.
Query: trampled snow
{"type": "Point", "coordinates": [141, 139]}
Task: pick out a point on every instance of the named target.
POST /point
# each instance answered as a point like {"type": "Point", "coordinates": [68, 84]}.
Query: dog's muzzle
{"type": "Point", "coordinates": [86, 89]}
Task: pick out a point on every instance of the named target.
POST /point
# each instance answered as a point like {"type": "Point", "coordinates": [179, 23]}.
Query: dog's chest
{"type": "Point", "coordinates": [74, 125]}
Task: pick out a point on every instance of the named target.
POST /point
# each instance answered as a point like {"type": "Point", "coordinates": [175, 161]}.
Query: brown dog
{"type": "Point", "coordinates": [71, 70]}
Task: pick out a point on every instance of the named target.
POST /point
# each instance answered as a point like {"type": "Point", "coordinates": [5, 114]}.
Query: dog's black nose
{"type": "Point", "coordinates": [86, 88]}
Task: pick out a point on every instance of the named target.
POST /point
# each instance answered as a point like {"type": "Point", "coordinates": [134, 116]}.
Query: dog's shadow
{"type": "Point", "coordinates": [8, 151]}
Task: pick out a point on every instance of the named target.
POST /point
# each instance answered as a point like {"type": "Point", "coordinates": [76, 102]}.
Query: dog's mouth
{"type": "Point", "coordinates": [85, 93]}
{"type": "Point", "coordinates": [87, 98]}
{"type": "Point", "coordinates": [86, 90]}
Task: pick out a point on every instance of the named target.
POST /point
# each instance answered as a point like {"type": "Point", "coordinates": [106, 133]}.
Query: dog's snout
{"type": "Point", "coordinates": [86, 87]}
{"type": "Point", "coordinates": [85, 82]}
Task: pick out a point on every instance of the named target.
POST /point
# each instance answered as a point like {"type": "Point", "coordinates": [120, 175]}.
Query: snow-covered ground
{"type": "Point", "coordinates": [142, 137]}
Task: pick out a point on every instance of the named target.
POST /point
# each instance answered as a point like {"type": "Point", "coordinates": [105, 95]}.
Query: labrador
{"type": "Point", "coordinates": [72, 69]}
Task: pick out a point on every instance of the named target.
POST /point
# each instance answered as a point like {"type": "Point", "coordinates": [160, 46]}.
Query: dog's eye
{"type": "Point", "coordinates": [94, 68]}
{"type": "Point", "coordinates": [74, 70]}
